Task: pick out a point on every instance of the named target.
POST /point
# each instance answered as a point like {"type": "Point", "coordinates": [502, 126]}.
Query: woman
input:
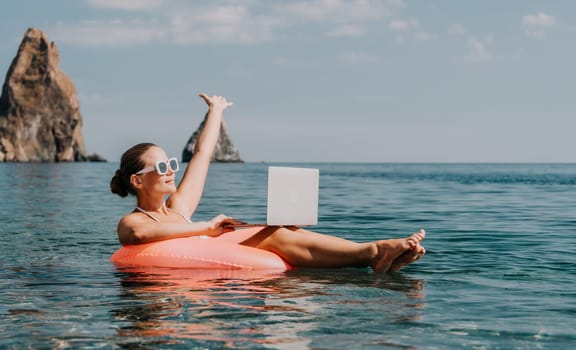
{"type": "Point", "coordinates": [146, 172]}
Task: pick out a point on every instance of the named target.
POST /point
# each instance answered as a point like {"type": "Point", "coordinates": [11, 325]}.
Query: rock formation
{"type": "Point", "coordinates": [225, 151]}
{"type": "Point", "coordinates": [40, 117]}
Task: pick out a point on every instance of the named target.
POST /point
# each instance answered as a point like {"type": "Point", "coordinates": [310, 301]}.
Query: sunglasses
{"type": "Point", "coordinates": [162, 167]}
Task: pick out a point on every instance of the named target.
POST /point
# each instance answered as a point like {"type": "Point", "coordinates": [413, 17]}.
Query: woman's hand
{"type": "Point", "coordinates": [222, 224]}
{"type": "Point", "coordinates": [216, 102]}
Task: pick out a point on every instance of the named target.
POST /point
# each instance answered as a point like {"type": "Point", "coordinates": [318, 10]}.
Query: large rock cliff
{"type": "Point", "coordinates": [225, 151]}
{"type": "Point", "coordinates": [40, 117]}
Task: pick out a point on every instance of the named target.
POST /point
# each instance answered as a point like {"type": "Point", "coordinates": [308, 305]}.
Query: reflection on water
{"type": "Point", "coordinates": [237, 308]}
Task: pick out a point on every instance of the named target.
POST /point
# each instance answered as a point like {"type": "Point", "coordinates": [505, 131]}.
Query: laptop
{"type": "Point", "coordinates": [292, 197]}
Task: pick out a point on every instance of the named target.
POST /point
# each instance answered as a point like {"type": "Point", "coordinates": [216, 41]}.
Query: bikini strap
{"type": "Point", "coordinates": [182, 215]}
{"type": "Point", "coordinates": [148, 214]}
{"type": "Point", "coordinates": [156, 219]}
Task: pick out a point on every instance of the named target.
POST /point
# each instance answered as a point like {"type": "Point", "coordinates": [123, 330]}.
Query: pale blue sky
{"type": "Point", "coordinates": [324, 80]}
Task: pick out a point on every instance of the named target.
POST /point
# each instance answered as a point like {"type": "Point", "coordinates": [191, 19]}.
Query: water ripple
{"type": "Point", "coordinates": [499, 272]}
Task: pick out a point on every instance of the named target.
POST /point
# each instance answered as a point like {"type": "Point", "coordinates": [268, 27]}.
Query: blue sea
{"type": "Point", "coordinates": [500, 269]}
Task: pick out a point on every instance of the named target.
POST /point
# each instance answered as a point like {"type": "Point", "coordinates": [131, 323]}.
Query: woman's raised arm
{"type": "Point", "coordinates": [190, 189]}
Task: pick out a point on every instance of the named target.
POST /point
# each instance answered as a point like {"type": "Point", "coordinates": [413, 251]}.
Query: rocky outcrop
{"type": "Point", "coordinates": [225, 151]}
{"type": "Point", "coordinates": [40, 117]}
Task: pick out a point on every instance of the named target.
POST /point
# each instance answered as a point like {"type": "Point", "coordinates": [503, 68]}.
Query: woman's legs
{"type": "Point", "coordinates": [305, 248]}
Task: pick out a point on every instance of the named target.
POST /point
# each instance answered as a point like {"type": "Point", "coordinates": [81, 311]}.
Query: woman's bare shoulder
{"type": "Point", "coordinates": [127, 226]}
{"type": "Point", "coordinates": [132, 216]}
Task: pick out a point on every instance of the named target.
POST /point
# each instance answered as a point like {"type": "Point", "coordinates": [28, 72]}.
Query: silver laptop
{"type": "Point", "coordinates": [292, 197]}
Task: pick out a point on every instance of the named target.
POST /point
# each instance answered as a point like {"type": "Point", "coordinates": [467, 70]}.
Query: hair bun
{"type": "Point", "coordinates": [117, 185]}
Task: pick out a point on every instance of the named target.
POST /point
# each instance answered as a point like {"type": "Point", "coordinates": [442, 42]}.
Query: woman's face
{"type": "Point", "coordinates": [152, 181]}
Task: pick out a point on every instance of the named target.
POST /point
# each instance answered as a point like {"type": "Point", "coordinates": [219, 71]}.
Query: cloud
{"type": "Point", "coordinates": [402, 28]}
{"type": "Point", "coordinates": [478, 50]}
{"type": "Point", "coordinates": [535, 25]}
{"type": "Point", "coordinates": [397, 3]}
{"type": "Point", "coordinates": [239, 22]}
{"type": "Point", "coordinates": [128, 5]}
{"type": "Point", "coordinates": [357, 57]}
{"type": "Point", "coordinates": [110, 33]}
{"type": "Point", "coordinates": [458, 29]}
{"type": "Point", "coordinates": [221, 24]}
{"type": "Point", "coordinates": [335, 10]}
{"type": "Point", "coordinates": [399, 25]}
{"type": "Point", "coordinates": [539, 20]}
{"type": "Point", "coordinates": [346, 31]}
{"type": "Point", "coordinates": [183, 24]}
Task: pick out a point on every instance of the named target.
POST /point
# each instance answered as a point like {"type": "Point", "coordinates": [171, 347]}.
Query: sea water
{"type": "Point", "coordinates": [500, 268]}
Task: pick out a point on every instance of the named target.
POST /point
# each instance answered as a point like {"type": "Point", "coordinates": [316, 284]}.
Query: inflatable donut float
{"type": "Point", "coordinates": [201, 252]}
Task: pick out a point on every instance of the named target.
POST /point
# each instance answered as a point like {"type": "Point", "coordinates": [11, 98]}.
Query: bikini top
{"type": "Point", "coordinates": [156, 219]}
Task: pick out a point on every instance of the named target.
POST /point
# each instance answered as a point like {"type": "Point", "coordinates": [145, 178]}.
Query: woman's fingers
{"type": "Point", "coordinates": [205, 97]}
{"type": "Point", "coordinates": [223, 220]}
{"type": "Point", "coordinates": [215, 100]}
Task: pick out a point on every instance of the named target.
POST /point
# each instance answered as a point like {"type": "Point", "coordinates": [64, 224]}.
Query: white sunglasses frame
{"type": "Point", "coordinates": [156, 167]}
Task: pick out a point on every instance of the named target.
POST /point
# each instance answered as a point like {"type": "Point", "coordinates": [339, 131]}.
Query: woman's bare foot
{"type": "Point", "coordinates": [389, 250]}
{"type": "Point", "coordinates": [408, 258]}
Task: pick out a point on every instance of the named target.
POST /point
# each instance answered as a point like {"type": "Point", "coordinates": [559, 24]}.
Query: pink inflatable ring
{"type": "Point", "coordinates": [201, 252]}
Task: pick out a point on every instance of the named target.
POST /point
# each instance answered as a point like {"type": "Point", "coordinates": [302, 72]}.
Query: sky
{"type": "Point", "coordinates": [319, 80]}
